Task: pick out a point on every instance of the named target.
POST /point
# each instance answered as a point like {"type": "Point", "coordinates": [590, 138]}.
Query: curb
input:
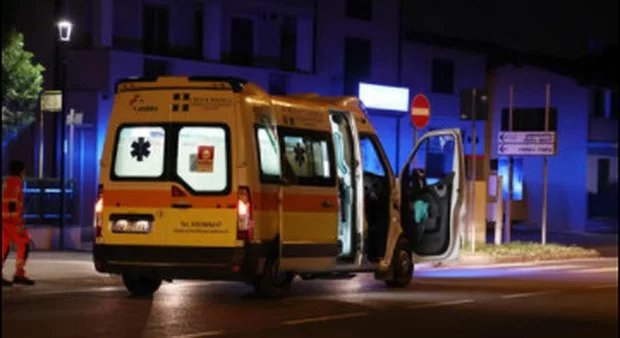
{"type": "Point", "coordinates": [488, 260]}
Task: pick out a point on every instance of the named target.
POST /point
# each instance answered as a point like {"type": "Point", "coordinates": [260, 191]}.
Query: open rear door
{"type": "Point", "coordinates": [432, 185]}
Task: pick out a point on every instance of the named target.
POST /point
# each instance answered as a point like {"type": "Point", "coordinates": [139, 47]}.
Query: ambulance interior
{"type": "Point", "coordinates": [376, 178]}
{"type": "Point", "coordinates": [376, 198]}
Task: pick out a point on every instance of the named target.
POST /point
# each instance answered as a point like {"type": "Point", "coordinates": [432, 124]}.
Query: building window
{"type": "Point", "coordinates": [359, 9]}
{"type": "Point", "coordinates": [614, 104]}
{"type": "Point", "coordinates": [598, 102]}
{"type": "Point", "coordinates": [155, 29]}
{"type": "Point", "coordinates": [288, 43]}
{"type": "Point", "coordinates": [443, 76]}
{"type": "Point", "coordinates": [242, 41]}
{"type": "Point", "coordinates": [155, 68]}
{"type": "Point", "coordinates": [277, 84]}
{"type": "Point", "coordinates": [357, 58]}
{"type": "Point", "coordinates": [198, 30]}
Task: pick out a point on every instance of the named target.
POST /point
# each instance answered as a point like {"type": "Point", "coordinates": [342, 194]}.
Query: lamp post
{"type": "Point", "coordinates": [64, 37]}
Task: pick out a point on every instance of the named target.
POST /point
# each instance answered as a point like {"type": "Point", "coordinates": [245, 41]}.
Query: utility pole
{"type": "Point", "coordinates": [545, 169]}
{"type": "Point", "coordinates": [488, 130]}
{"type": "Point", "coordinates": [473, 172]}
{"type": "Point", "coordinates": [509, 199]}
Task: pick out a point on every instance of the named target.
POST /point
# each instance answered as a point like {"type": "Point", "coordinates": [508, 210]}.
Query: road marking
{"type": "Point", "coordinates": [529, 294]}
{"type": "Point", "coordinates": [596, 270]}
{"type": "Point", "coordinates": [604, 286]}
{"type": "Point", "coordinates": [200, 334]}
{"type": "Point", "coordinates": [440, 304]}
{"type": "Point", "coordinates": [324, 318]}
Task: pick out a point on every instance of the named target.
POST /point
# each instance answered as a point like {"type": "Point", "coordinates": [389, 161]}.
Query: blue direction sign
{"type": "Point", "coordinates": [537, 143]}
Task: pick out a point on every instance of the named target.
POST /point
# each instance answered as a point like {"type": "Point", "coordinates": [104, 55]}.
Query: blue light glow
{"type": "Point", "coordinates": [517, 177]}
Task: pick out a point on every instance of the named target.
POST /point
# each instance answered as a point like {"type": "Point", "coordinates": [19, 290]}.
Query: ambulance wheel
{"type": "Point", "coordinates": [402, 266]}
{"type": "Point", "coordinates": [273, 283]}
{"type": "Point", "coordinates": [141, 286]}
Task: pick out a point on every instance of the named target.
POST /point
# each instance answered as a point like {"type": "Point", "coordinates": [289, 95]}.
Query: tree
{"type": "Point", "coordinates": [21, 86]}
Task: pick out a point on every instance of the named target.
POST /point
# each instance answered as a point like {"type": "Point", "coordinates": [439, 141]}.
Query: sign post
{"type": "Point", "coordinates": [472, 218]}
{"type": "Point", "coordinates": [51, 101]}
{"type": "Point", "coordinates": [73, 119]}
{"type": "Point", "coordinates": [545, 171]}
{"type": "Point", "coordinates": [529, 143]}
{"type": "Point", "coordinates": [509, 199]}
{"type": "Point", "coordinates": [420, 114]}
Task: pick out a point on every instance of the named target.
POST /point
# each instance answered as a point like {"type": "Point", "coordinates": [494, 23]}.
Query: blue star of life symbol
{"type": "Point", "coordinates": [140, 149]}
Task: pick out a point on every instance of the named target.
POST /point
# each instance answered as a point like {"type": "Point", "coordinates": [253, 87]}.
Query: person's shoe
{"type": "Point", "coordinates": [22, 280]}
{"type": "Point", "coordinates": [6, 282]}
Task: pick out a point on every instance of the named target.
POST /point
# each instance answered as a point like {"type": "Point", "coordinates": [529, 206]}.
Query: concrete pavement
{"type": "Point", "coordinates": [576, 298]}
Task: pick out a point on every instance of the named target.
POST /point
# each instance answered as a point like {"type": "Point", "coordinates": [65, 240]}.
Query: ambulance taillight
{"type": "Point", "coordinates": [99, 213]}
{"type": "Point", "coordinates": [245, 224]}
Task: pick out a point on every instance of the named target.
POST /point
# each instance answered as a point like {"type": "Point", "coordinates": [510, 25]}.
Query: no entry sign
{"type": "Point", "coordinates": [420, 111]}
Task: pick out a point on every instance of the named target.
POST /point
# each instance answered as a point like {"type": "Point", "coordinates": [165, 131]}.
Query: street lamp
{"type": "Point", "coordinates": [64, 30]}
{"type": "Point", "coordinates": [64, 37]}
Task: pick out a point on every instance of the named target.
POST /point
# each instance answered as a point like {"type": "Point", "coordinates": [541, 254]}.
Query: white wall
{"type": "Point", "coordinates": [382, 31]}
{"type": "Point", "coordinates": [469, 72]}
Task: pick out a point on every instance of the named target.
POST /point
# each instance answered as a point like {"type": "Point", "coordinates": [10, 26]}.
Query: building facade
{"type": "Point", "coordinates": [321, 46]}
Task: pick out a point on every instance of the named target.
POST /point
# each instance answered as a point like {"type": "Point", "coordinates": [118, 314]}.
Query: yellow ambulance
{"type": "Point", "coordinates": [212, 178]}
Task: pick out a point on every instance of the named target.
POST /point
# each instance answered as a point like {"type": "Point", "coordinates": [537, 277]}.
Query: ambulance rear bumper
{"type": "Point", "coordinates": [234, 263]}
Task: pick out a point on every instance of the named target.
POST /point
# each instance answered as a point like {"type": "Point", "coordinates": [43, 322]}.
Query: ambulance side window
{"type": "Point", "coordinates": [268, 155]}
{"type": "Point", "coordinates": [371, 160]}
{"type": "Point", "coordinates": [310, 156]}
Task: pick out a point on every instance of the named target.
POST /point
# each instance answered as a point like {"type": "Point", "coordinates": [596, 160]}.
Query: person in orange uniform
{"type": "Point", "coordinates": [13, 228]}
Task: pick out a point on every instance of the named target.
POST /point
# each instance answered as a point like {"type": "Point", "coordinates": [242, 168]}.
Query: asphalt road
{"type": "Point", "coordinates": [554, 299]}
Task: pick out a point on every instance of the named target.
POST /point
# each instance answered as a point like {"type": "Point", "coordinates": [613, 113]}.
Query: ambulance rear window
{"type": "Point", "coordinates": [140, 152]}
{"type": "Point", "coordinates": [202, 159]}
{"type": "Point", "coordinates": [196, 156]}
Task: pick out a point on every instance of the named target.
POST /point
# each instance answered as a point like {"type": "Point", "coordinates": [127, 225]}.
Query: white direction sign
{"type": "Point", "coordinates": [526, 137]}
{"type": "Point", "coordinates": [544, 149]}
{"type": "Point", "coordinates": [523, 143]}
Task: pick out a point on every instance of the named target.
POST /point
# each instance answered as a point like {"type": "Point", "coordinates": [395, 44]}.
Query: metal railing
{"type": "Point", "coordinates": [42, 201]}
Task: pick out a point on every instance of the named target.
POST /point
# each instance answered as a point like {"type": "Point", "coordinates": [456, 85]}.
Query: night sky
{"type": "Point", "coordinates": [549, 27]}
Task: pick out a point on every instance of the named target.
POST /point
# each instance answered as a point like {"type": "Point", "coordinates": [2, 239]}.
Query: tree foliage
{"type": "Point", "coordinates": [21, 86]}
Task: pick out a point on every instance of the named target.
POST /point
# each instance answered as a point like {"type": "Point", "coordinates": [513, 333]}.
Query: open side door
{"type": "Point", "coordinates": [308, 201]}
{"type": "Point", "coordinates": [432, 186]}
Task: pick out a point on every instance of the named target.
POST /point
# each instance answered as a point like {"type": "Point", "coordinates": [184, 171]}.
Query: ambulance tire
{"type": "Point", "coordinates": [402, 265]}
{"type": "Point", "coordinates": [273, 283]}
{"type": "Point", "coordinates": [141, 286]}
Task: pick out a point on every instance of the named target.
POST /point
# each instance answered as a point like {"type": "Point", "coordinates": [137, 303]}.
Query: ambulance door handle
{"type": "Point", "coordinates": [327, 204]}
{"type": "Point", "coordinates": [181, 205]}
